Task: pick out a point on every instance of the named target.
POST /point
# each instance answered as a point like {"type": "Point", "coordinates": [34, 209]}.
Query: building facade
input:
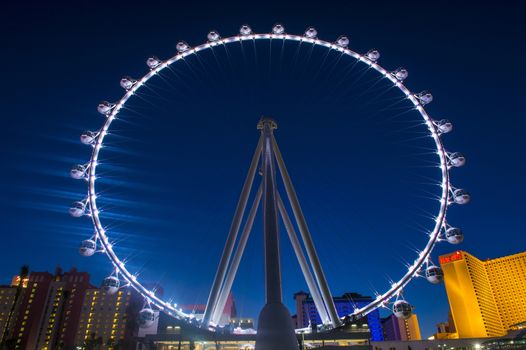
{"type": "Point", "coordinates": [198, 310]}
{"type": "Point", "coordinates": [398, 329]}
{"type": "Point", "coordinates": [183, 338]}
{"type": "Point", "coordinates": [32, 305]}
{"type": "Point", "coordinates": [106, 319]}
{"type": "Point", "coordinates": [64, 311]}
{"type": "Point", "coordinates": [446, 330]}
{"type": "Point", "coordinates": [48, 314]}
{"type": "Point", "coordinates": [486, 297]}
{"type": "Point", "coordinates": [306, 313]}
{"type": "Point", "coordinates": [61, 312]}
{"type": "Point", "coordinates": [7, 302]}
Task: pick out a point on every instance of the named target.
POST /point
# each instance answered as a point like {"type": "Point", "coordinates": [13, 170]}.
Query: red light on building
{"type": "Point", "coordinates": [16, 281]}
{"type": "Point", "coordinates": [456, 256]}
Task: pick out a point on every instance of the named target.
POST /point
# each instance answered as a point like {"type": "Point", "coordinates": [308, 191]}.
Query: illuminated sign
{"type": "Point", "coordinates": [451, 257]}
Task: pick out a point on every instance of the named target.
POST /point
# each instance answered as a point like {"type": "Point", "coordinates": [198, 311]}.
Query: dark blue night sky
{"type": "Point", "coordinates": [176, 158]}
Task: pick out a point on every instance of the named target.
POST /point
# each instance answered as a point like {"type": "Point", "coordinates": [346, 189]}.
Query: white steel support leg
{"type": "Point", "coordinates": [307, 274]}
{"type": "Point", "coordinates": [232, 236]}
{"type": "Point", "coordinates": [231, 275]}
{"type": "Point", "coordinates": [273, 286]}
{"type": "Point", "coordinates": [307, 239]}
{"type": "Point", "coordinates": [275, 330]}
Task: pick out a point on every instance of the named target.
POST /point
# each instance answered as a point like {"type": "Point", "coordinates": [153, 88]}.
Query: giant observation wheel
{"type": "Point", "coordinates": [421, 266]}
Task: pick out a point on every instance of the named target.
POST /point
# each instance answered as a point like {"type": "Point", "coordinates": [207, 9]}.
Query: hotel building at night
{"type": "Point", "coordinates": [306, 313]}
{"type": "Point", "coordinates": [7, 299]}
{"type": "Point", "coordinates": [65, 311]}
{"type": "Point", "coordinates": [486, 297]}
{"type": "Point", "coordinates": [395, 328]}
{"type": "Point", "coordinates": [107, 319]}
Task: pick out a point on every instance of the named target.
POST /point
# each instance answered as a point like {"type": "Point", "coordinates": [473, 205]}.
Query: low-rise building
{"type": "Point", "coordinates": [307, 314]}
{"type": "Point", "coordinates": [396, 329]}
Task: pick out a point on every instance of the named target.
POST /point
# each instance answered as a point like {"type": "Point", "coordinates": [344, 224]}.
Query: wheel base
{"type": "Point", "coordinates": [275, 330]}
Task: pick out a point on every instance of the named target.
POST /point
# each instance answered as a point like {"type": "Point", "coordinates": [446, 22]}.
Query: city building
{"type": "Point", "coordinates": [180, 336]}
{"type": "Point", "coordinates": [48, 313]}
{"type": "Point", "coordinates": [443, 327]}
{"type": "Point", "coordinates": [486, 297]}
{"type": "Point", "coordinates": [64, 311]}
{"type": "Point", "coordinates": [242, 323]}
{"type": "Point", "coordinates": [395, 328]}
{"type": "Point", "coordinates": [306, 313]}
{"type": "Point", "coordinates": [239, 333]}
{"type": "Point", "coordinates": [33, 303]}
{"type": "Point", "coordinates": [108, 319]}
{"type": "Point", "coordinates": [7, 302]}
{"type": "Point", "coordinates": [515, 339]}
{"type": "Point", "coordinates": [446, 330]}
{"type": "Point", "coordinates": [198, 310]}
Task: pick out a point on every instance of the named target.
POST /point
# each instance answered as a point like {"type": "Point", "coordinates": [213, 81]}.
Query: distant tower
{"type": "Point", "coordinates": [301, 316]}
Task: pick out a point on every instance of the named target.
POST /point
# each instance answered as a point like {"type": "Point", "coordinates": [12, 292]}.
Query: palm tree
{"type": "Point", "coordinates": [24, 272]}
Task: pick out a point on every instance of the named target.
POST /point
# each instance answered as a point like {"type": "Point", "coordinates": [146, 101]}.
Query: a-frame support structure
{"type": "Point", "coordinates": [275, 330]}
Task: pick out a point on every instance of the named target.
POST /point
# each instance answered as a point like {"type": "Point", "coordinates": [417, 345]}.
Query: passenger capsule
{"type": "Point", "coordinates": [342, 41]}
{"type": "Point", "coordinates": [87, 247]}
{"type": "Point", "coordinates": [444, 126]}
{"type": "Point", "coordinates": [153, 62]}
{"type": "Point", "coordinates": [105, 107]}
{"type": "Point", "coordinates": [401, 74]}
{"type": "Point", "coordinates": [127, 83]}
{"type": "Point", "coordinates": [402, 309]}
{"type": "Point", "coordinates": [424, 97]}
{"type": "Point", "coordinates": [111, 284]}
{"type": "Point", "coordinates": [278, 29]}
{"type": "Point", "coordinates": [245, 30]}
{"type": "Point", "coordinates": [461, 196]}
{"type": "Point", "coordinates": [434, 274]}
{"type": "Point", "coordinates": [454, 235]}
{"type": "Point", "coordinates": [373, 55]}
{"type": "Point", "coordinates": [311, 33]}
{"type": "Point", "coordinates": [77, 209]}
{"type": "Point", "coordinates": [182, 46]}
{"type": "Point", "coordinates": [146, 317]}
{"type": "Point", "coordinates": [457, 159]}
{"type": "Point", "coordinates": [213, 36]}
{"type": "Point", "coordinates": [78, 172]}
{"type": "Point", "coordinates": [88, 137]}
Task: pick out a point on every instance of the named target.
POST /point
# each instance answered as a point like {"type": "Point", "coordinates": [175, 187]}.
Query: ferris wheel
{"type": "Point", "coordinates": [422, 266]}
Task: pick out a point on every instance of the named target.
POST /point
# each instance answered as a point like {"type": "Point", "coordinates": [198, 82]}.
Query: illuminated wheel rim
{"type": "Point", "coordinates": [446, 198]}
